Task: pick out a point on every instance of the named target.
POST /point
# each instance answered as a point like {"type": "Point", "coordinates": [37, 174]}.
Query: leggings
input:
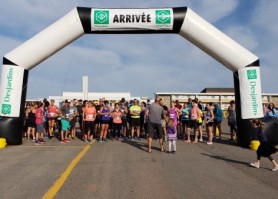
{"type": "Point", "coordinates": [89, 125]}
{"type": "Point", "coordinates": [117, 127]}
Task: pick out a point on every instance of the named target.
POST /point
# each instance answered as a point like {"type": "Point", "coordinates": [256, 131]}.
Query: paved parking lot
{"type": "Point", "coordinates": [123, 169]}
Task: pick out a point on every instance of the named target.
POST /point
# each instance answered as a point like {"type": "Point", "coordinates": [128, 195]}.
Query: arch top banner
{"type": "Point", "coordinates": [131, 19]}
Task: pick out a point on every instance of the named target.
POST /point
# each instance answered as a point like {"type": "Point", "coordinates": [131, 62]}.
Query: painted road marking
{"type": "Point", "coordinates": [59, 183]}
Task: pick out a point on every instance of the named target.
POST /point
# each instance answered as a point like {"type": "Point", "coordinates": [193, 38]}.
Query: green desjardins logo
{"type": "Point", "coordinates": [101, 17]}
{"type": "Point", "coordinates": [251, 74]}
{"type": "Point", "coordinates": [6, 109]}
{"type": "Point", "coordinates": [163, 16]}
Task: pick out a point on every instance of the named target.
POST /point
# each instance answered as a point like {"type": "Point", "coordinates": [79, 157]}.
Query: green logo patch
{"type": "Point", "coordinates": [163, 16]}
{"type": "Point", "coordinates": [251, 74]}
{"type": "Point", "coordinates": [101, 16]}
{"type": "Point", "coordinates": [6, 109]}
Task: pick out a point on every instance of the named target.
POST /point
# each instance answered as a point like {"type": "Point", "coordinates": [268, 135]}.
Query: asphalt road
{"type": "Point", "coordinates": [125, 170]}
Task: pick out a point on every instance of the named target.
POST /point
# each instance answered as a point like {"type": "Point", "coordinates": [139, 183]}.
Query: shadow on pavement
{"type": "Point", "coordinates": [139, 145]}
{"type": "Point", "coordinates": [226, 159]}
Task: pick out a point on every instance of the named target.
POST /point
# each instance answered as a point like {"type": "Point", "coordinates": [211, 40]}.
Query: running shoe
{"type": "Point", "coordinates": [86, 141]}
{"type": "Point", "coordinates": [37, 142]}
{"type": "Point", "coordinates": [187, 141]}
{"type": "Point", "coordinates": [275, 168]}
{"type": "Point", "coordinates": [105, 139]}
{"type": "Point", "coordinates": [42, 141]}
{"type": "Point", "coordinates": [100, 140]}
{"type": "Point", "coordinates": [255, 164]}
{"type": "Point", "coordinates": [209, 143]}
{"type": "Point", "coordinates": [174, 152]}
{"type": "Point", "coordinates": [132, 139]}
{"type": "Point", "coordinates": [63, 141]}
{"type": "Point", "coordinates": [139, 139]}
{"type": "Point", "coordinates": [67, 140]}
{"type": "Point", "coordinates": [201, 140]}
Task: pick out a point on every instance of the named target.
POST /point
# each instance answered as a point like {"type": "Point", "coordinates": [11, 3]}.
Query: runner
{"type": "Point", "coordinates": [194, 115]}
{"type": "Point", "coordinates": [73, 119]}
{"type": "Point", "coordinates": [124, 111]}
{"type": "Point", "coordinates": [265, 148]}
{"type": "Point", "coordinates": [31, 121]}
{"type": "Point", "coordinates": [80, 114]}
{"type": "Point", "coordinates": [155, 112]}
{"type": "Point", "coordinates": [185, 119]}
{"type": "Point", "coordinates": [39, 123]}
{"type": "Point", "coordinates": [89, 115]}
{"type": "Point", "coordinates": [53, 110]}
{"type": "Point", "coordinates": [217, 120]}
{"type": "Point", "coordinates": [174, 113]}
{"type": "Point", "coordinates": [232, 120]}
{"type": "Point", "coordinates": [135, 111]}
{"type": "Point", "coordinates": [143, 127]}
{"type": "Point", "coordinates": [105, 117]}
{"type": "Point", "coordinates": [209, 122]}
{"type": "Point", "coordinates": [98, 118]}
{"type": "Point", "coordinates": [117, 122]}
{"type": "Point", "coordinates": [65, 123]}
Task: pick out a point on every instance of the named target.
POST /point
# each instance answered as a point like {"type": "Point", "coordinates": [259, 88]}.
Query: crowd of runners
{"type": "Point", "coordinates": [122, 120]}
{"type": "Point", "coordinates": [125, 120]}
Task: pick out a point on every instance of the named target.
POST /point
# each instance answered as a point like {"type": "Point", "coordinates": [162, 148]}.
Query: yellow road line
{"type": "Point", "coordinates": [59, 183]}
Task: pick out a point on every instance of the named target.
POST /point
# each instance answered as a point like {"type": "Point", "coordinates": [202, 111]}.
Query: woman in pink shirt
{"type": "Point", "coordinates": [117, 121]}
{"type": "Point", "coordinates": [89, 116]}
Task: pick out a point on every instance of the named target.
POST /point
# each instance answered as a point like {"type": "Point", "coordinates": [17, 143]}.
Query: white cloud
{"type": "Point", "coordinates": [140, 64]}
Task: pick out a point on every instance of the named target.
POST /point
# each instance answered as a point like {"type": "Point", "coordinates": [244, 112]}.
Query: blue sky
{"type": "Point", "coordinates": [141, 64]}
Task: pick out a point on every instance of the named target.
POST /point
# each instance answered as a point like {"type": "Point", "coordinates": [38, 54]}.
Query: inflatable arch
{"type": "Point", "coordinates": [80, 21]}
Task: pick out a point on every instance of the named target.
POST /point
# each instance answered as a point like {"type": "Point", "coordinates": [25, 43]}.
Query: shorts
{"type": "Point", "coordinates": [40, 128]}
{"type": "Point", "coordinates": [73, 122]}
{"type": "Point", "coordinates": [65, 125]}
{"type": "Point", "coordinates": [45, 125]}
{"type": "Point", "coordinates": [31, 124]}
{"type": "Point", "coordinates": [209, 124]}
{"type": "Point", "coordinates": [135, 122]}
{"type": "Point", "coordinates": [105, 121]}
{"type": "Point", "coordinates": [200, 124]}
{"type": "Point", "coordinates": [193, 124]}
{"type": "Point", "coordinates": [163, 123]}
{"type": "Point", "coordinates": [157, 127]}
{"type": "Point", "coordinates": [233, 126]}
{"type": "Point", "coordinates": [186, 123]}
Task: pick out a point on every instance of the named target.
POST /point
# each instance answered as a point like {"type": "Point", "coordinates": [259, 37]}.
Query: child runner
{"type": "Point", "coordinates": [209, 122]}
{"type": "Point", "coordinates": [171, 136]}
{"type": "Point", "coordinates": [265, 149]}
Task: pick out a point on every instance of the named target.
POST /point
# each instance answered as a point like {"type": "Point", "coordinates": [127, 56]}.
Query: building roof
{"type": "Point", "coordinates": [218, 90]}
